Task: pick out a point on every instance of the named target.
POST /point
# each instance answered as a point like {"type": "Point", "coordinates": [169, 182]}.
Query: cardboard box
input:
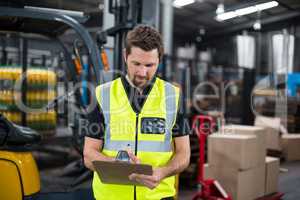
{"type": "Point", "coordinates": [291, 146]}
{"type": "Point", "coordinates": [241, 185]}
{"type": "Point", "coordinates": [272, 175]}
{"type": "Point", "coordinates": [273, 139]}
{"type": "Point", "coordinates": [259, 132]}
{"type": "Point", "coordinates": [272, 131]}
{"type": "Point", "coordinates": [234, 151]}
{"type": "Point", "coordinates": [272, 122]}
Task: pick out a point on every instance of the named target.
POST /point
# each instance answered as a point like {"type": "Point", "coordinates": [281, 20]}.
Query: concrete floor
{"type": "Point", "coordinates": [289, 183]}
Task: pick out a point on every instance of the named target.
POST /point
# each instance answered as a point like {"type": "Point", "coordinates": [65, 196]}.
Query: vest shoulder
{"type": "Point", "coordinates": [103, 86]}
{"type": "Point", "coordinates": [107, 84]}
{"type": "Point", "coordinates": [169, 83]}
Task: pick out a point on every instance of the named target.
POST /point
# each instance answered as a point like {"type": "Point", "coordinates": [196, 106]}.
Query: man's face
{"type": "Point", "coordinates": [141, 65]}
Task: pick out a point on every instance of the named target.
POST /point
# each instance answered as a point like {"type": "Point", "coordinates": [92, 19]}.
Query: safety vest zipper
{"type": "Point", "coordinates": [136, 144]}
{"type": "Point", "coordinates": [136, 134]}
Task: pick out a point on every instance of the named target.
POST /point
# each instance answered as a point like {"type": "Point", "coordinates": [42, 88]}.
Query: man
{"type": "Point", "coordinates": [140, 113]}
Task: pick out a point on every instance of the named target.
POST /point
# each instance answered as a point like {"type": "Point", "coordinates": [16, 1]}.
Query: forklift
{"type": "Point", "coordinates": [17, 142]}
{"type": "Point", "coordinates": [21, 179]}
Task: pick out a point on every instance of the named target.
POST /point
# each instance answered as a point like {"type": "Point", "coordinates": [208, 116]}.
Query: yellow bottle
{"type": "Point", "coordinates": [13, 118]}
{"type": "Point", "coordinates": [7, 97]}
{"type": "Point", "coordinates": [40, 98]}
{"type": "Point", "coordinates": [43, 117]}
{"type": "Point", "coordinates": [4, 73]}
{"type": "Point", "coordinates": [33, 77]}
{"type": "Point", "coordinates": [19, 118]}
{"type": "Point", "coordinates": [53, 78]}
{"type": "Point", "coordinates": [1, 96]}
{"type": "Point", "coordinates": [10, 97]}
{"type": "Point", "coordinates": [8, 116]}
{"type": "Point", "coordinates": [1, 73]}
{"type": "Point", "coordinates": [46, 96]}
{"type": "Point", "coordinates": [14, 73]}
{"type": "Point", "coordinates": [52, 117]}
{"type": "Point", "coordinates": [44, 77]}
{"type": "Point", "coordinates": [49, 79]}
{"type": "Point", "coordinates": [39, 77]}
{"type": "Point", "coordinates": [29, 77]}
{"type": "Point", "coordinates": [4, 97]}
{"type": "Point", "coordinates": [29, 119]}
{"type": "Point", "coordinates": [35, 119]}
{"type": "Point", "coordinates": [10, 74]}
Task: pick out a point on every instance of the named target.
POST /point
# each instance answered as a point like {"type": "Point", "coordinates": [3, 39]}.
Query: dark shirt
{"type": "Point", "coordinates": [137, 101]}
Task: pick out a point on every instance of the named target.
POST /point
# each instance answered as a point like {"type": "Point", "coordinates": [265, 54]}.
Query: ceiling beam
{"type": "Point", "coordinates": [282, 4]}
{"type": "Point", "coordinates": [194, 21]}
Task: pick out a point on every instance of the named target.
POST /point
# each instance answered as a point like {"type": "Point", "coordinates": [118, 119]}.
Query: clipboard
{"type": "Point", "coordinates": [117, 172]}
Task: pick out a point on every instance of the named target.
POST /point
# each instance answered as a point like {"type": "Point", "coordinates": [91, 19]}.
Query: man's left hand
{"type": "Point", "coordinates": [149, 181]}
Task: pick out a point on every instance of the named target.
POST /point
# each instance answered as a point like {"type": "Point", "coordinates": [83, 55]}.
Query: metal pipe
{"type": "Point", "coordinates": [81, 31]}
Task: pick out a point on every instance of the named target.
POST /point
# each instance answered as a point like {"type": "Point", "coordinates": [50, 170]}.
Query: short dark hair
{"type": "Point", "coordinates": [146, 38]}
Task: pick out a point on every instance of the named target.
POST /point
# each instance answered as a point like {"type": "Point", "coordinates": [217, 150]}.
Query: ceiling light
{"type": "Point", "coordinates": [257, 25]}
{"type": "Point", "coordinates": [225, 16]}
{"type": "Point", "coordinates": [181, 3]}
{"type": "Point", "coordinates": [267, 5]}
{"type": "Point", "coordinates": [220, 8]}
{"type": "Point", "coordinates": [246, 11]}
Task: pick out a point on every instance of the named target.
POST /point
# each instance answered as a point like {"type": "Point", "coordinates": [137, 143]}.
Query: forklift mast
{"type": "Point", "coordinates": [128, 14]}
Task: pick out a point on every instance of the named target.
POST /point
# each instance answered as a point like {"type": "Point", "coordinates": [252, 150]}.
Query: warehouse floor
{"type": "Point", "coordinates": [289, 183]}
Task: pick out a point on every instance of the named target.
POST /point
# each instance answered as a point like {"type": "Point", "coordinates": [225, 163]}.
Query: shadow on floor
{"type": "Point", "coordinates": [82, 194]}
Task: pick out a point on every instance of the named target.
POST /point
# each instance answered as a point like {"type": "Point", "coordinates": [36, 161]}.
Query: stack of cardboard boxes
{"type": "Point", "coordinates": [287, 143]}
{"type": "Point", "coordinates": [272, 175]}
{"type": "Point", "coordinates": [291, 146]}
{"type": "Point", "coordinates": [237, 159]}
{"type": "Point", "coordinates": [272, 131]}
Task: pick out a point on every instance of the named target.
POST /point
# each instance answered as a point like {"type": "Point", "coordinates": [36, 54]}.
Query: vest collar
{"type": "Point", "coordinates": [130, 87]}
{"type": "Point", "coordinates": [136, 99]}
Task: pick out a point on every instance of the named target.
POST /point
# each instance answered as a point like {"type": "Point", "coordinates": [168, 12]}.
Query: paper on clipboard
{"type": "Point", "coordinates": [118, 172]}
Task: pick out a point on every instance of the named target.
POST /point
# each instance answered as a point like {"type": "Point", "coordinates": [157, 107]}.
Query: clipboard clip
{"type": "Point", "coordinates": [123, 156]}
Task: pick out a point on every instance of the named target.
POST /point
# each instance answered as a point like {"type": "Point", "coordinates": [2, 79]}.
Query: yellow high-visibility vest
{"type": "Point", "coordinates": [148, 134]}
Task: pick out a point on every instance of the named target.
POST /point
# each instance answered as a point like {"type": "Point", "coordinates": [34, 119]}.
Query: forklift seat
{"type": "Point", "coordinates": [12, 135]}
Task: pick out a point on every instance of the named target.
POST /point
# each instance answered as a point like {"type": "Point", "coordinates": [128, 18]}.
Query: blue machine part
{"type": "Point", "coordinates": [293, 83]}
{"type": "Point", "coordinates": [84, 96]}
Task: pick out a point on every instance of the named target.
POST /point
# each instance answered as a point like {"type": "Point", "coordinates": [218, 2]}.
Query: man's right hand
{"type": "Point", "coordinates": [91, 152]}
{"type": "Point", "coordinates": [133, 158]}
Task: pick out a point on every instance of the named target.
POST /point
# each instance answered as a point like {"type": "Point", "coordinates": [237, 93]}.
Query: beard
{"type": "Point", "coordinates": [140, 81]}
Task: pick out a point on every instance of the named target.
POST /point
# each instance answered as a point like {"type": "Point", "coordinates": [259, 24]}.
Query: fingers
{"type": "Point", "coordinates": [149, 184]}
{"type": "Point", "coordinates": [148, 181]}
{"type": "Point", "coordinates": [133, 158]}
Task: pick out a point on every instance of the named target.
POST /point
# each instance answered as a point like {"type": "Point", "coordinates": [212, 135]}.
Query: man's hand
{"type": "Point", "coordinates": [146, 180]}
{"type": "Point", "coordinates": [177, 164]}
{"type": "Point", "coordinates": [91, 152]}
{"type": "Point", "coordinates": [133, 158]}
{"type": "Point", "coordinates": [149, 181]}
